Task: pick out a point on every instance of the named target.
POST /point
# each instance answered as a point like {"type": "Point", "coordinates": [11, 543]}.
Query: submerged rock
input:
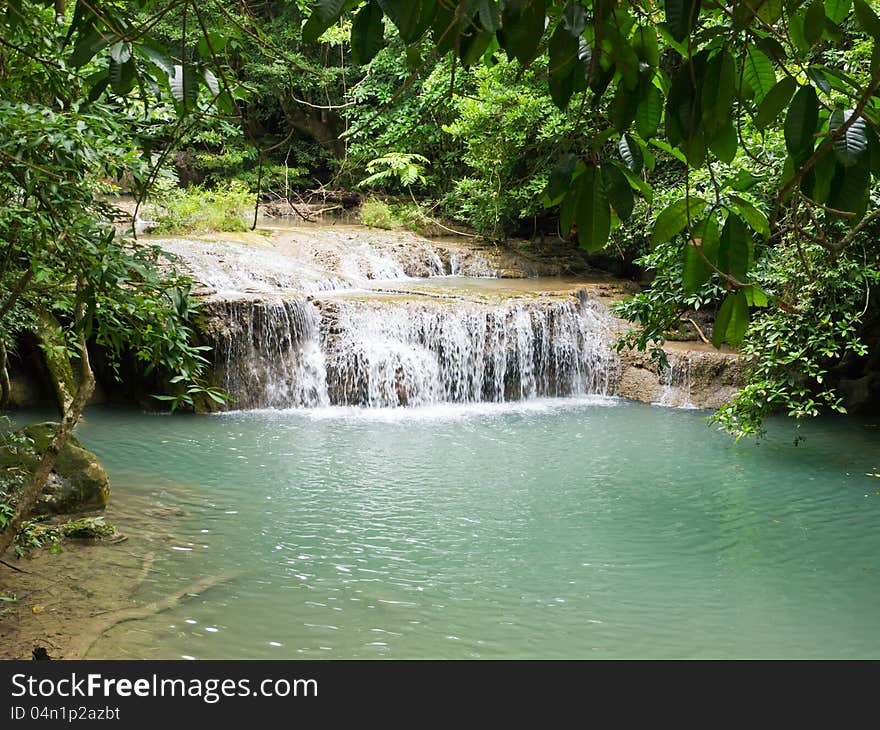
{"type": "Point", "coordinates": [78, 483]}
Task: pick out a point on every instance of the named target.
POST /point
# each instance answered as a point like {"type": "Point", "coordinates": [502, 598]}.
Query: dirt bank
{"type": "Point", "coordinates": [64, 602]}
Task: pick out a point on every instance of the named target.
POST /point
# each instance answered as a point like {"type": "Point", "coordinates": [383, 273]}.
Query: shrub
{"type": "Point", "coordinates": [196, 208]}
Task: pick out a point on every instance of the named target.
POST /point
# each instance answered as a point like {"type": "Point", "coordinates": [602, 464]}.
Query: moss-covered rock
{"type": "Point", "coordinates": [79, 482]}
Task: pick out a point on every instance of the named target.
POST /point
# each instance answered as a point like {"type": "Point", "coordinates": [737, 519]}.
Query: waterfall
{"type": "Point", "coordinates": [268, 353]}
{"type": "Point", "coordinates": [677, 382]}
{"type": "Point", "coordinates": [382, 351]}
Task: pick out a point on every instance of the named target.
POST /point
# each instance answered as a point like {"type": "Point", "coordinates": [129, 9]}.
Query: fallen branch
{"type": "Point", "coordinates": [114, 618]}
{"type": "Point", "coordinates": [14, 567]}
{"type": "Point", "coordinates": [699, 331]}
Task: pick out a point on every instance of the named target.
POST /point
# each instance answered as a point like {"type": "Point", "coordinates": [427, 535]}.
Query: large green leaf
{"type": "Point", "coordinates": [722, 320]}
{"type": "Point", "coordinates": [324, 14]}
{"type": "Point", "coordinates": [837, 10]}
{"type": "Point", "coordinates": [645, 45]}
{"type": "Point", "coordinates": [718, 90]}
{"type": "Point", "coordinates": [850, 188]}
{"type": "Point", "coordinates": [775, 101]}
{"type": "Point", "coordinates": [724, 142]}
{"type": "Point", "coordinates": [89, 41]}
{"type": "Point", "coordinates": [560, 179]}
{"type": "Point", "coordinates": [411, 17]}
{"type": "Point", "coordinates": [739, 319]}
{"type": "Point", "coordinates": [675, 218]}
{"type": "Point", "coordinates": [649, 113]}
{"type": "Point", "coordinates": [800, 123]}
{"type": "Point", "coordinates": [564, 62]}
{"type": "Point", "coordinates": [867, 18]}
{"type": "Point", "coordinates": [735, 247]}
{"type": "Point", "coordinates": [594, 215]}
{"type": "Point", "coordinates": [522, 29]}
{"type": "Point", "coordinates": [851, 144]}
{"type": "Point", "coordinates": [367, 32]}
{"type": "Point", "coordinates": [618, 191]}
{"type": "Point", "coordinates": [732, 320]}
{"type": "Point", "coordinates": [756, 220]}
{"type": "Point", "coordinates": [185, 87]}
{"type": "Point", "coordinates": [814, 22]}
{"type": "Point", "coordinates": [681, 17]}
{"type": "Point", "coordinates": [631, 153]}
{"type": "Point", "coordinates": [758, 73]}
{"type": "Point", "coordinates": [623, 108]}
{"type": "Point", "coordinates": [695, 268]}
{"type": "Point", "coordinates": [636, 183]}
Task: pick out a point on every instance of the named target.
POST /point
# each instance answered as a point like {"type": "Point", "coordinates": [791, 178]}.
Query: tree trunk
{"type": "Point", "coordinates": [4, 377]}
{"type": "Point", "coordinates": [33, 487]}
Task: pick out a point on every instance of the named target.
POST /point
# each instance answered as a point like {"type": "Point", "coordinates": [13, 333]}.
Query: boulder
{"type": "Point", "coordinates": [78, 483]}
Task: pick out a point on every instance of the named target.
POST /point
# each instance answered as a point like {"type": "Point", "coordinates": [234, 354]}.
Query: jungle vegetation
{"type": "Point", "coordinates": [728, 153]}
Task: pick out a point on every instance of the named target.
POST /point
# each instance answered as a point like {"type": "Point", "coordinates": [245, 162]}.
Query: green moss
{"type": "Point", "coordinates": [56, 356]}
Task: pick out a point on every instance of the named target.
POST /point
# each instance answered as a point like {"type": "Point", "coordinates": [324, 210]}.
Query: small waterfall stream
{"type": "Point", "coordinates": [376, 352]}
{"type": "Point", "coordinates": [357, 318]}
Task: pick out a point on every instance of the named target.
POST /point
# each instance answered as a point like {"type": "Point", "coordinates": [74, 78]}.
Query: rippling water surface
{"type": "Point", "coordinates": [568, 528]}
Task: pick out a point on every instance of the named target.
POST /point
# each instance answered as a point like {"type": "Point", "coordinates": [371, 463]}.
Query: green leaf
{"type": "Point", "coordinates": [675, 218]}
{"type": "Point", "coordinates": [695, 269]}
{"type": "Point", "coordinates": [800, 123]}
{"type": "Point", "coordinates": [758, 73]}
{"type": "Point", "coordinates": [837, 10]}
{"type": "Point", "coordinates": [594, 215]}
{"type": "Point", "coordinates": [756, 220]}
{"type": "Point", "coordinates": [636, 183]}
{"type": "Point", "coordinates": [522, 29]}
{"type": "Point", "coordinates": [739, 319]}
{"type": "Point", "coordinates": [850, 188]}
{"type": "Point", "coordinates": [735, 248]}
{"type": "Point", "coordinates": [618, 191]}
{"type": "Point", "coordinates": [212, 43]}
{"type": "Point", "coordinates": [817, 181]}
{"type": "Point", "coordinates": [755, 296]}
{"type": "Point", "coordinates": [867, 18]}
{"type": "Point", "coordinates": [120, 52]}
{"type": "Point", "coordinates": [88, 43]}
{"type": "Point", "coordinates": [122, 77]}
{"type": "Point", "coordinates": [185, 87]}
{"type": "Point", "coordinates": [743, 180]}
{"type": "Point", "coordinates": [157, 56]}
{"type": "Point", "coordinates": [563, 64]}
{"type": "Point", "coordinates": [623, 108]}
{"type": "Point", "coordinates": [645, 45]}
{"type": "Point", "coordinates": [775, 101]}
{"type": "Point", "coordinates": [722, 321]}
{"type": "Point", "coordinates": [560, 179]}
{"type": "Point", "coordinates": [814, 22]}
{"type": "Point", "coordinates": [631, 153]}
{"type": "Point", "coordinates": [367, 33]}
{"type": "Point", "coordinates": [681, 17]}
{"type": "Point", "coordinates": [724, 143]}
{"type": "Point", "coordinates": [324, 14]}
{"type": "Point", "coordinates": [668, 149]}
{"type": "Point", "coordinates": [571, 203]}
{"type": "Point", "coordinates": [489, 13]}
{"type": "Point", "coordinates": [853, 143]}
{"type": "Point", "coordinates": [649, 112]}
{"type": "Point", "coordinates": [719, 89]}
{"type": "Point", "coordinates": [211, 82]}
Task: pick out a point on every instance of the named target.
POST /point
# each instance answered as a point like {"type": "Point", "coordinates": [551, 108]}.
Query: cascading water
{"type": "Point", "coordinates": [677, 382]}
{"type": "Point", "coordinates": [268, 354]}
{"type": "Point", "coordinates": [381, 352]}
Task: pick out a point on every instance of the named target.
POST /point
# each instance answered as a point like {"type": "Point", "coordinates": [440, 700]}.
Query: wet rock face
{"type": "Point", "coordinates": [695, 378]}
{"type": "Point", "coordinates": [310, 317]}
{"type": "Point", "coordinates": [397, 349]}
{"type": "Point", "coordinates": [79, 482]}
